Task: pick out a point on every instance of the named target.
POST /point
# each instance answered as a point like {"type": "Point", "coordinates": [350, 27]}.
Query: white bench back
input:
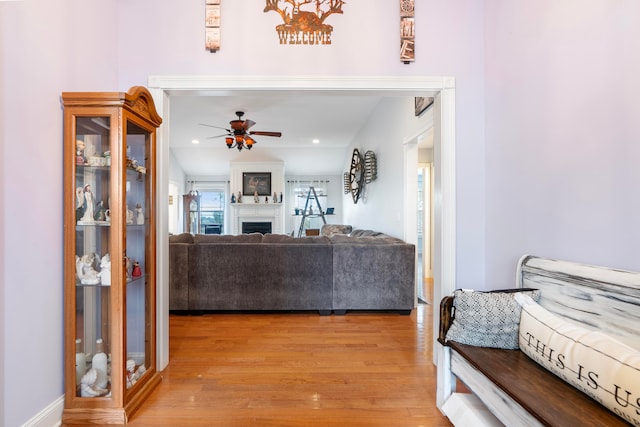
{"type": "Point", "coordinates": [597, 298]}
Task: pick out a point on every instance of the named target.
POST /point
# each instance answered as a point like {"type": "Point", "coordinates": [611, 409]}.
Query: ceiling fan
{"type": "Point", "coordinates": [239, 135]}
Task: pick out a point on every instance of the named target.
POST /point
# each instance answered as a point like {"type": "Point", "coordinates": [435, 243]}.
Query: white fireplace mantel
{"type": "Point", "coordinates": [257, 212]}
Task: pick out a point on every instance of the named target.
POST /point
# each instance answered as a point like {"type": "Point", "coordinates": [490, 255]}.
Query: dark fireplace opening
{"type": "Point", "coordinates": [256, 227]}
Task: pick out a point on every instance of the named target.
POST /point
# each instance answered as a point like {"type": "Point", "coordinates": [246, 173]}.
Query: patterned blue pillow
{"type": "Point", "coordinates": [487, 319]}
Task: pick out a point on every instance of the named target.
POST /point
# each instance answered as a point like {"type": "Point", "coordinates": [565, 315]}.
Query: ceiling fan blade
{"type": "Point", "coordinates": [247, 124]}
{"type": "Point", "coordinates": [257, 132]}
{"type": "Point", "coordinates": [212, 126]}
{"type": "Point", "coordinates": [218, 136]}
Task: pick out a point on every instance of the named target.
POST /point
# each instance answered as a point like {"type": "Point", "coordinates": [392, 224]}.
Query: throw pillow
{"type": "Point", "coordinates": [596, 364]}
{"type": "Point", "coordinates": [487, 319]}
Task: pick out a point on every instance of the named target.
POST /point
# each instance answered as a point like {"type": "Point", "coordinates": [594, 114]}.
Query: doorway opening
{"type": "Point", "coordinates": [441, 88]}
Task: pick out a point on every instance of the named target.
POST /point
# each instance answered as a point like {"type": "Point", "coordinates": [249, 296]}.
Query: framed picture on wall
{"type": "Point", "coordinates": [422, 103]}
{"type": "Point", "coordinates": [256, 181]}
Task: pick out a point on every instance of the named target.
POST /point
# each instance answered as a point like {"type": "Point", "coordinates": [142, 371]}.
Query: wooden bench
{"type": "Point", "coordinates": [506, 386]}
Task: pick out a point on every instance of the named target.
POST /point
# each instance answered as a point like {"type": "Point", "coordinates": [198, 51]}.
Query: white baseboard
{"type": "Point", "coordinates": [51, 416]}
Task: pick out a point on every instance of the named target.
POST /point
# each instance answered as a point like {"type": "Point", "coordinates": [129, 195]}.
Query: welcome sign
{"type": "Point", "coordinates": [303, 21]}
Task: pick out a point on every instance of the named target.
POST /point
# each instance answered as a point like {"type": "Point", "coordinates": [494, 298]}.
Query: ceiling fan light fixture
{"type": "Point", "coordinates": [239, 136]}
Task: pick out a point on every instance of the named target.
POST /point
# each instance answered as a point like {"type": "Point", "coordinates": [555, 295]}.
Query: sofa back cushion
{"type": "Point", "coordinates": [181, 238]}
{"type": "Point", "coordinates": [228, 238]}
{"type": "Point", "coordinates": [381, 239]}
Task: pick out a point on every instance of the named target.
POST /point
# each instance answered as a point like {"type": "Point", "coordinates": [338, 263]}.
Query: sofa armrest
{"type": "Point", "coordinates": [179, 276]}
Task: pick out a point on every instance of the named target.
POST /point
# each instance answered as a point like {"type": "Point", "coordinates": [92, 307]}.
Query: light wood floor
{"type": "Point", "coordinates": [297, 369]}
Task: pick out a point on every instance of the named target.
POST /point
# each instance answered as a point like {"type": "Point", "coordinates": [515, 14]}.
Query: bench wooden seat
{"type": "Point", "coordinates": [552, 401]}
{"type": "Point", "coordinates": [514, 390]}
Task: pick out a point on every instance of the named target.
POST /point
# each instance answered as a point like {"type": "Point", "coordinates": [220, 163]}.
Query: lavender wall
{"type": "Point", "coordinates": [562, 150]}
{"type": "Point", "coordinates": [48, 47]}
{"type": "Point", "coordinates": [548, 86]}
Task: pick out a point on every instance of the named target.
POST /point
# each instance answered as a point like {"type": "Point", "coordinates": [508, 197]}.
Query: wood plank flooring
{"type": "Point", "coordinates": [297, 369]}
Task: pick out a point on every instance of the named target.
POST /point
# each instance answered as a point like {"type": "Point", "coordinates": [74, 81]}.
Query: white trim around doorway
{"type": "Point", "coordinates": [442, 88]}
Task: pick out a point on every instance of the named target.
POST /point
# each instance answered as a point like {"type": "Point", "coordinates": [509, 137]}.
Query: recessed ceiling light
{"type": "Point", "coordinates": [316, 141]}
{"type": "Point", "coordinates": [195, 141]}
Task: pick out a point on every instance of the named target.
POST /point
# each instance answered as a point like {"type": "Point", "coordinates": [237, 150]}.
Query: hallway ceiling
{"type": "Point", "coordinates": [332, 118]}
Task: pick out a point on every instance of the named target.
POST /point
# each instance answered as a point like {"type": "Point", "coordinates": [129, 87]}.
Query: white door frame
{"type": "Point", "coordinates": [443, 88]}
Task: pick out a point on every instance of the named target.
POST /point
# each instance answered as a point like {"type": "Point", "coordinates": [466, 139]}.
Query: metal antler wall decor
{"type": "Point", "coordinates": [302, 26]}
{"type": "Point", "coordinates": [363, 170]}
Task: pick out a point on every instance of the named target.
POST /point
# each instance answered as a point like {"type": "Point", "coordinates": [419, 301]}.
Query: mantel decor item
{"type": "Point", "coordinates": [212, 25]}
{"type": "Point", "coordinates": [301, 26]}
{"type": "Point", "coordinates": [407, 31]}
{"type": "Point", "coordinates": [256, 183]}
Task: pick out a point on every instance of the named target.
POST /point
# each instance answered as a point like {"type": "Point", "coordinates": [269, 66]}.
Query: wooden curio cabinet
{"type": "Point", "coordinates": [109, 254]}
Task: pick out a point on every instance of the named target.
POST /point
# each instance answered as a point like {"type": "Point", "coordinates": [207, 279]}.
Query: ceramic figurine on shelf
{"type": "Point", "coordinates": [239, 197]}
{"type": "Point", "coordinates": [100, 214]}
{"type": "Point", "coordinates": [89, 207]}
{"type": "Point", "coordinates": [127, 268]}
{"type": "Point", "coordinates": [79, 203]}
{"type": "Point", "coordinates": [88, 386]}
{"type": "Point", "coordinates": [131, 369]}
{"type": "Point", "coordinates": [100, 364]}
{"type": "Point", "coordinates": [85, 269]}
{"type": "Point", "coordinates": [256, 199]}
{"type": "Point", "coordinates": [233, 198]}
{"type": "Point", "coordinates": [133, 374]}
{"type": "Point", "coordinates": [266, 199]}
{"type": "Point", "coordinates": [136, 271]}
{"type": "Point", "coordinates": [81, 362]}
{"type": "Point", "coordinates": [139, 214]}
{"type": "Point", "coordinates": [280, 197]}
{"type": "Point", "coordinates": [275, 197]}
{"type": "Point", "coordinates": [129, 218]}
{"type": "Point", "coordinates": [105, 270]}
{"type": "Point", "coordinates": [80, 152]}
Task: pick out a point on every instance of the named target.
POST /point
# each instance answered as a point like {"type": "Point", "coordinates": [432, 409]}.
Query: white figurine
{"type": "Point", "coordinates": [105, 270]}
{"type": "Point", "coordinates": [88, 387]}
{"type": "Point", "coordinates": [129, 218]}
{"type": "Point", "coordinates": [139, 215]}
{"type": "Point", "coordinates": [256, 199]}
{"type": "Point", "coordinates": [133, 374]}
{"type": "Point", "coordinates": [131, 370]}
{"type": "Point", "coordinates": [86, 271]}
{"type": "Point", "coordinates": [89, 205]}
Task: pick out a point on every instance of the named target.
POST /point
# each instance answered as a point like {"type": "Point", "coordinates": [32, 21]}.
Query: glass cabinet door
{"type": "Point", "coordinates": [138, 262]}
{"type": "Point", "coordinates": [92, 255]}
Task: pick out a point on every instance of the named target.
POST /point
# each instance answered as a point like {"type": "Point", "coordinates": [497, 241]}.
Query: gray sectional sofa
{"type": "Point", "coordinates": [336, 272]}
